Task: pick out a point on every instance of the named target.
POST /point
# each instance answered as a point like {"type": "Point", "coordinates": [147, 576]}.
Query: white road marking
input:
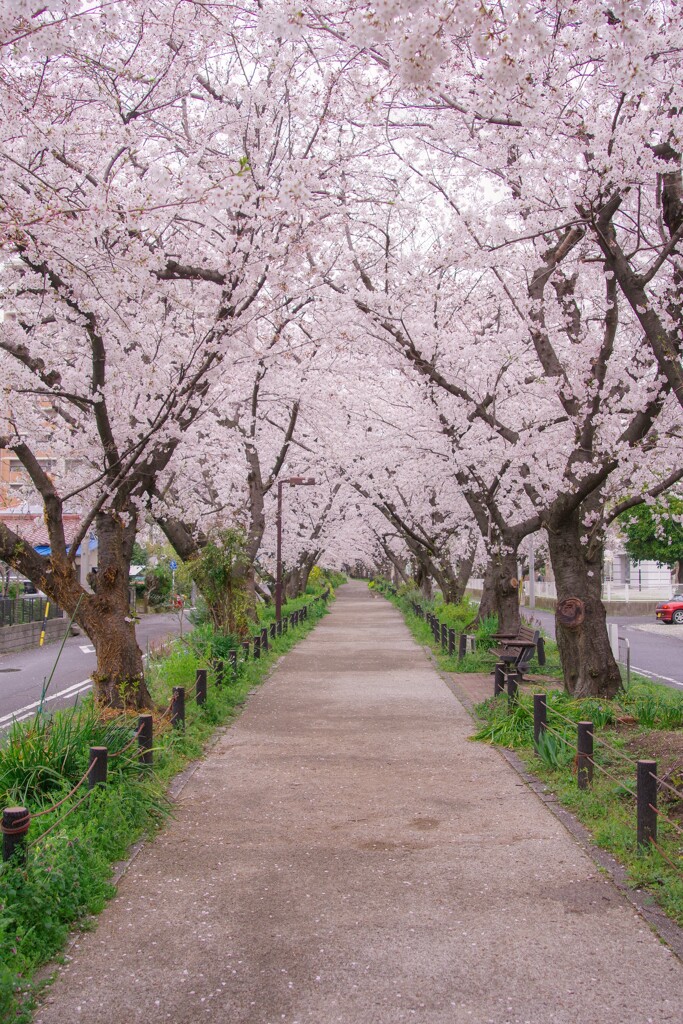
{"type": "Point", "coordinates": [21, 714]}
{"type": "Point", "coordinates": [653, 675]}
{"type": "Point", "coordinates": [88, 649]}
{"type": "Point", "coordinates": [26, 712]}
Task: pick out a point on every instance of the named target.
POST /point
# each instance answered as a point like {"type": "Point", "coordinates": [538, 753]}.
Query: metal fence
{"type": "Point", "coordinates": [16, 611]}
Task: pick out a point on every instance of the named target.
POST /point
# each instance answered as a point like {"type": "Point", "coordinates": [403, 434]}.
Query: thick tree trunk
{"type": "Point", "coordinates": [454, 585]}
{"type": "Point", "coordinates": [500, 595]}
{"type": "Point", "coordinates": [119, 679]}
{"type": "Point", "coordinates": [580, 620]}
{"type": "Point", "coordinates": [423, 581]}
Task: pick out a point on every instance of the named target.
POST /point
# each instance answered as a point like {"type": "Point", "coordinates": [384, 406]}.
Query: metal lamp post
{"type": "Point", "coordinates": [293, 481]}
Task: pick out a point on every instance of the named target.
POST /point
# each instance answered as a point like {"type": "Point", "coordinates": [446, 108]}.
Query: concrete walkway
{"type": "Point", "coordinates": [346, 855]}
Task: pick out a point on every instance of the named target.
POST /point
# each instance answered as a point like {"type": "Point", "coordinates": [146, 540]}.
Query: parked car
{"type": "Point", "coordinates": [671, 610]}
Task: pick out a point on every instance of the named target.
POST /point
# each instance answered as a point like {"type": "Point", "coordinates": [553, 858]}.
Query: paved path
{"type": "Point", "coordinates": [346, 855]}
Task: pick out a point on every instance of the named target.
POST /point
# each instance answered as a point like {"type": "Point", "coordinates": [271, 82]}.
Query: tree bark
{"type": "Point", "coordinates": [119, 679]}
{"type": "Point", "coordinates": [588, 664]}
{"type": "Point", "coordinates": [104, 615]}
{"type": "Point", "coordinates": [454, 584]}
{"type": "Point", "coordinates": [500, 595]}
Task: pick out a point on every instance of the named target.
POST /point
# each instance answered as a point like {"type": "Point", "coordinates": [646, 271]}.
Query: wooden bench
{"type": "Point", "coordinates": [515, 653]}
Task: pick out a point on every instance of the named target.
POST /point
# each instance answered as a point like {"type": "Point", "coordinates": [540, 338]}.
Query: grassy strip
{"type": "Point", "coordinates": [67, 877]}
{"type": "Point", "coordinates": [644, 720]}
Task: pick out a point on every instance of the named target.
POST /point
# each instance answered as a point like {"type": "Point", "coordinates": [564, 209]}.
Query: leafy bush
{"type": "Point", "coordinates": [159, 582]}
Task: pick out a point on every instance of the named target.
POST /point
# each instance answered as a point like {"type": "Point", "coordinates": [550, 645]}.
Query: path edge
{"type": "Point", "coordinates": [666, 930]}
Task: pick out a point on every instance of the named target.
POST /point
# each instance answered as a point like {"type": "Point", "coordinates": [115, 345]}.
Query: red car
{"type": "Point", "coordinates": [671, 610]}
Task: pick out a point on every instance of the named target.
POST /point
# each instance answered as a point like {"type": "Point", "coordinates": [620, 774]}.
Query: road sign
{"type": "Point", "coordinates": [173, 564]}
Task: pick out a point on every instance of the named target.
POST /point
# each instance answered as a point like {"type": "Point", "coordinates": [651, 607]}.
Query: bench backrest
{"type": "Point", "coordinates": [528, 634]}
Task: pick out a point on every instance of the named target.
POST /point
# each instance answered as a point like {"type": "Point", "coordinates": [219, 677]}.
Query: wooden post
{"type": "Point", "coordinates": [540, 715]}
{"type": "Point", "coordinates": [646, 793]}
{"type": "Point", "coordinates": [146, 739]}
{"type": "Point", "coordinates": [178, 707]}
{"type": "Point", "coordinates": [15, 824]}
{"type": "Point", "coordinates": [584, 755]}
{"type": "Point", "coordinates": [200, 686]}
{"type": "Point", "coordinates": [97, 770]}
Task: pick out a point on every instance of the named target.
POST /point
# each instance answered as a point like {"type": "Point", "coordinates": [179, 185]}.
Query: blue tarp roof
{"type": "Point", "coordinates": [44, 549]}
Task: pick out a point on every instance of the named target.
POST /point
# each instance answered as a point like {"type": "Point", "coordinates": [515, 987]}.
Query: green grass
{"type": "Point", "coordinates": [67, 876]}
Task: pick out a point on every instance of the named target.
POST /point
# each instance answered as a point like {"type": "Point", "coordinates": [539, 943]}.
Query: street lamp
{"type": "Point", "coordinates": [293, 481]}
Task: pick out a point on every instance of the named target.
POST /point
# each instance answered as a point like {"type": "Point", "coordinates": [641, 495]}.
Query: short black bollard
{"type": "Point", "coordinates": [220, 672]}
{"type": "Point", "coordinates": [284, 625]}
{"type": "Point", "coordinates": [15, 824]}
{"type": "Point", "coordinates": [498, 679]}
{"type": "Point", "coordinates": [513, 690]}
{"type": "Point", "coordinates": [245, 649]}
{"type": "Point", "coordinates": [178, 707]}
{"type": "Point", "coordinates": [257, 647]}
{"type": "Point", "coordinates": [97, 769]}
{"type": "Point", "coordinates": [444, 636]}
{"type": "Point", "coordinates": [646, 793]}
{"type": "Point", "coordinates": [200, 686]}
{"type": "Point", "coordinates": [232, 657]}
{"type": "Point", "coordinates": [279, 627]}
{"type": "Point", "coordinates": [273, 630]}
{"type": "Point", "coordinates": [540, 715]}
{"type": "Point", "coordinates": [462, 646]}
{"type": "Point", "coordinates": [584, 755]}
{"type": "Point", "coordinates": [264, 640]}
{"type": "Point", "coordinates": [451, 642]}
{"type": "Point", "coordinates": [146, 739]}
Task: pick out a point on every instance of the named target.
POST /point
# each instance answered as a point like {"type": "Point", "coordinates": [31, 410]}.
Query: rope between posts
{"type": "Point", "coordinates": [49, 810]}
{"type": "Point", "coordinates": [127, 746]}
{"type": "Point", "coordinates": [664, 818]}
{"type": "Point", "coordinates": [660, 851]}
{"type": "Point", "coordinates": [666, 785]}
{"type": "Point", "coordinates": [613, 750]}
{"type": "Point", "coordinates": [558, 734]}
{"type": "Point", "coordinates": [60, 820]}
{"type": "Point", "coordinates": [569, 721]}
{"type": "Point", "coordinates": [609, 775]}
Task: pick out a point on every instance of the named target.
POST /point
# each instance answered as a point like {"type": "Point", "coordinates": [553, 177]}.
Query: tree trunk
{"type": "Point", "coordinates": [500, 595]}
{"type": "Point", "coordinates": [423, 581]}
{"type": "Point", "coordinates": [105, 615]}
{"type": "Point", "coordinates": [455, 584]}
{"type": "Point", "coordinates": [580, 620]}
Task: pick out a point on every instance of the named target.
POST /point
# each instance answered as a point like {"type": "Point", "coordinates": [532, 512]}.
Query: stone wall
{"type": "Point", "coordinates": [27, 634]}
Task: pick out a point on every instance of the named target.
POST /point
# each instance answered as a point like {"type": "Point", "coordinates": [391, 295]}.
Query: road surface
{"type": "Point", "coordinates": [22, 673]}
{"type": "Point", "coordinates": [656, 649]}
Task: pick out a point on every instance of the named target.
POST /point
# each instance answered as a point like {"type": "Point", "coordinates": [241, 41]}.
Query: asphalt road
{"type": "Point", "coordinates": [22, 673]}
{"type": "Point", "coordinates": [656, 649]}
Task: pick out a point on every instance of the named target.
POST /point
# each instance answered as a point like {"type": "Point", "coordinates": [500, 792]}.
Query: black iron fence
{"type": "Point", "coordinates": [16, 611]}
